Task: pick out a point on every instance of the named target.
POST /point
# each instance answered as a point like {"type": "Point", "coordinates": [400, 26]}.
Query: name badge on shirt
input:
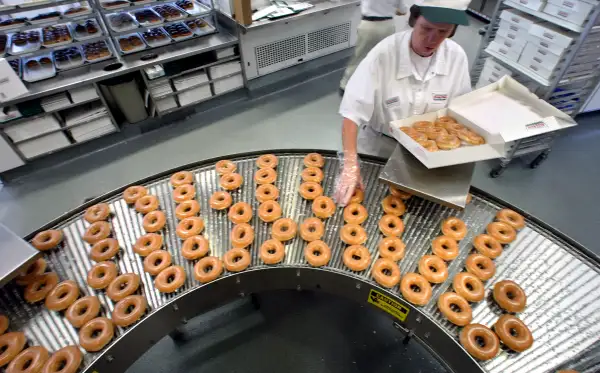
{"type": "Point", "coordinates": [391, 102]}
{"type": "Point", "coordinates": [439, 97]}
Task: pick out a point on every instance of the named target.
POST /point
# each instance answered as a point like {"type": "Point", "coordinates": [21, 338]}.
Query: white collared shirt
{"type": "Point", "coordinates": [380, 8]}
{"type": "Point", "coordinates": [387, 87]}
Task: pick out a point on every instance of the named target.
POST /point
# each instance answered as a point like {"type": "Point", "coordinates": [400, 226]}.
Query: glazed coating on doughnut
{"type": "Point", "coordinates": [66, 360]}
{"type": "Point", "coordinates": [47, 240]}
{"type": "Point", "coordinates": [513, 333]}
{"type": "Point", "coordinates": [479, 341]}
{"type": "Point", "coordinates": [509, 296]}
{"type": "Point", "coordinates": [310, 190]}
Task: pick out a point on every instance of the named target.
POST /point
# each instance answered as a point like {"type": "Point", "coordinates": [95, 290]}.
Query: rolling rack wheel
{"type": "Point", "coordinates": [539, 159]}
{"type": "Point", "coordinates": [496, 172]}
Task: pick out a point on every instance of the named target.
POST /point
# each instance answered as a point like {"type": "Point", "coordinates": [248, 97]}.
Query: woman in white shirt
{"type": "Point", "coordinates": [409, 73]}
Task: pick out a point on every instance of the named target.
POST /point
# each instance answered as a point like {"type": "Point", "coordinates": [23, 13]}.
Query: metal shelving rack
{"type": "Point", "coordinates": [571, 83]}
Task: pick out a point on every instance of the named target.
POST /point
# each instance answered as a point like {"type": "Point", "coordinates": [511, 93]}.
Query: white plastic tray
{"type": "Point", "coordinates": [154, 44]}
{"type": "Point", "coordinates": [97, 59]}
{"type": "Point", "coordinates": [81, 37]}
{"type": "Point", "coordinates": [203, 31]}
{"type": "Point", "coordinates": [120, 29]}
{"type": "Point", "coordinates": [137, 49]}
{"type": "Point", "coordinates": [12, 27]}
{"type": "Point", "coordinates": [44, 21]}
{"type": "Point", "coordinates": [69, 65]}
{"type": "Point", "coordinates": [76, 15]}
{"type": "Point", "coordinates": [197, 9]}
{"type": "Point", "coordinates": [180, 38]}
{"type": "Point", "coordinates": [27, 48]}
{"type": "Point", "coordinates": [183, 14]}
{"type": "Point", "coordinates": [34, 76]}
{"type": "Point", "coordinates": [148, 24]}
{"type": "Point", "coordinates": [58, 44]}
{"type": "Point", "coordinates": [102, 4]}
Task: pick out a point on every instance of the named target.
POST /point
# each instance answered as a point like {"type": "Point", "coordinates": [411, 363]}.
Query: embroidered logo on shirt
{"type": "Point", "coordinates": [392, 101]}
{"type": "Point", "coordinates": [439, 96]}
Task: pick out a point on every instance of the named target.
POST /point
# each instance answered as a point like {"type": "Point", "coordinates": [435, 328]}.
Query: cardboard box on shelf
{"type": "Point", "coordinates": [507, 27]}
{"type": "Point", "coordinates": [194, 95]}
{"type": "Point", "coordinates": [501, 112]}
{"type": "Point", "coordinates": [228, 84]}
{"type": "Point", "coordinates": [574, 17]}
{"type": "Point", "coordinates": [539, 68]}
{"type": "Point", "coordinates": [553, 34]}
{"type": "Point", "coordinates": [538, 55]}
{"type": "Point", "coordinates": [166, 103]}
{"type": "Point", "coordinates": [532, 4]}
{"type": "Point", "coordinates": [546, 46]}
{"type": "Point", "coordinates": [511, 45]}
{"type": "Point", "coordinates": [84, 93]}
{"type": "Point", "coordinates": [518, 18]}
{"type": "Point", "coordinates": [512, 36]}
{"type": "Point", "coordinates": [32, 128]}
{"type": "Point", "coordinates": [496, 67]}
{"type": "Point", "coordinates": [190, 80]}
{"type": "Point", "coordinates": [503, 50]}
{"type": "Point", "coordinates": [43, 145]}
{"type": "Point", "coordinates": [225, 69]}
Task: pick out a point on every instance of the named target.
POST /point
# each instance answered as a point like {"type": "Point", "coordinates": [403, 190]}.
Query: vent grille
{"type": "Point", "coordinates": [328, 37]}
{"type": "Point", "coordinates": [280, 51]}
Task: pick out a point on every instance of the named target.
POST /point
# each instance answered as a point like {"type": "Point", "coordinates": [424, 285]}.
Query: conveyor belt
{"type": "Point", "coordinates": [562, 282]}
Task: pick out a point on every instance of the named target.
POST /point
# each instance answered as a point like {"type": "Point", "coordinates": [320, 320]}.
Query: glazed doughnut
{"type": "Point", "coordinates": [231, 181]}
{"type": "Point", "coordinates": [312, 229]}
{"type": "Point", "coordinates": [97, 212]}
{"type": "Point", "coordinates": [4, 322]}
{"type": "Point", "coordinates": [208, 269]}
{"type": "Point", "coordinates": [47, 240]}
{"type": "Point", "coordinates": [481, 266]}
{"type": "Point", "coordinates": [220, 200]}
{"type": "Point", "coordinates": [408, 130]}
{"type": "Point", "coordinates": [314, 160]}
{"type": "Point", "coordinates": [416, 289]}
{"type": "Point", "coordinates": [40, 287]}
{"type": "Point", "coordinates": [225, 166]}
{"type": "Point", "coordinates": [456, 309]}
{"type": "Point", "coordinates": [386, 272]}
{"type": "Point", "coordinates": [83, 310]}
{"type": "Point", "coordinates": [242, 235]}
{"type": "Point", "coordinates": [269, 211]}
{"type": "Point", "coordinates": [284, 229]}
{"type": "Point", "coordinates": [183, 193]}
{"type": "Point", "coordinates": [479, 341]}
{"type": "Point", "coordinates": [66, 360]}
{"type": "Point", "coordinates": [468, 286]}
{"type": "Point", "coordinates": [513, 333]}
{"type": "Point", "coordinates": [11, 344]}
{"type": "Point", "coordinates": [454, 228]}
{"type": "Point", "coordinates": [104, 249]}
{"type": "Point", "coordinates": [96, 334]}
{"type": "Point", "coordinates": [430, 145]}
{"type": "Point", "coordinates": [470, 137]}
{"type": "Point", "coordinates": [126, 284]}
{"type": "Point", "coordinates": [399, 193]}
{"type": "Point", "coordinates": [511, 218]}
{"type": "Point", "coordinates": [146, 204]}
{"type": "Point", "coordinates": [487, 245]}
{"type": "Point", "coordinates": [317, 253]}
{"type": "Point", "coordinates": [422, 126]}
{"type": "Point", "coordinates": [391, 248]}
{"type": "Point", "coordinates": [358, 196]}
{"type": "Point", "coordinates": [393, 206]}
{"type": "Point", "coordinates": [313, 174]}
{"type": "Point", "coordinates": [129, 310]}
{"type": "Point", "coordinates": [195, 247]}
{"type": "Point", "coordinates": [133, 193]}
{"type": "Point", "coordinates": [96, 232]}
{"type": "Point", "coordinates": [181, 178]}
{"type": "Point", "coordinates": [442, 121]}
{"type": "Point", "coordinates": [357, 258]}
{"type": "Point", "coordinates": [267, 192]}
{"type": "Point", "coordinates": [391, 225]}
{"type": "Point", "coordinates": [433, 268]}
{"type": "Point", "coordinates": [433, 132]}
{"type": "Point", "coordinates": [102, 274]}
{"type": "Point", "coordinates": [31, 360]}
{"type": "Point", "coordinates": [509, 296]}
{"type": "Point", "coordinates": [189, 227]}
{"type": "Point", "coordinates": [417, 136]}
{"type": "Point", "coordinates": [188, 209]}
{"type": "Point", "coordinates": [28, 274]}
{"type": "Point", "coordinates": [236, 260]}
{"type": "Point", "coordinates": [447, 142]}
{"type": "Point", "coordinates": [239, 213]}
{"type": "Point", "coordinates": [323, 207]}
{"type": "Point", "coordinates": [272, 251]}
{"type": "Point", "coordinates": [353, 234]}
{"type": "Point", "coordinates": [355, 213]}
{"type": "Point", "coordinates": [267, 161]}
{"type": "Point", "coordinates": [502, 232]}
{"type": "Point", "coordinates": [265, 176]}
{"type": "Point", "coordinates": [310, 190]}
{"type": "Point", "coordinates": [445, 247]}
{"type": "Point", "coordinates": [62, 296]}
{"type": "Point", "coordinates": [154, 221]}
{"type": "Point", "coordinates": [148, 243]}
{"type": "Point", "coordinates": [170, 279]}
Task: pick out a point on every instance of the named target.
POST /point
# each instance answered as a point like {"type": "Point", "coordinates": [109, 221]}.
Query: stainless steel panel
{"type": "Point", "coordinates": [15, 252]}
{"type": "Point", "coordinates": [562, 284]}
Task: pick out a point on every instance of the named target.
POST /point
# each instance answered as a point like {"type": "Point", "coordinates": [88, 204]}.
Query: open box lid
{"type": "Point", "coordinates": [509, 109]}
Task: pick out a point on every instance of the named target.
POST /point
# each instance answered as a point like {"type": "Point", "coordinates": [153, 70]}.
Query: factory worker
{"type": "Point", "coordinates": [377, 24]}
{"type": "Point", "coordinates": [411, 72]}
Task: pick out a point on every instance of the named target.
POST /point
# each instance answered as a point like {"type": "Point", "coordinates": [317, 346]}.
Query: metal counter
{"type": "Point", "coordinates": [561, 279]}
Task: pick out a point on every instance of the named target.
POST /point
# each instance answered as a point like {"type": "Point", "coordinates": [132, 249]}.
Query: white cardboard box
{"type": "Point", "coordinates": [190, 80]}
{"type": "Point", "coordinates": [225, 69]}
{"type": "Point", "coordinates": [532, 52]}
{"type": "Point", "coordinates": [512, 28]}
{"type": "Point", "coordinates": [228, 84]}
{"type": "Point", "coordinates": [501, 112]}
{"type": "Point", "coordinates": [496, 67]}
{"type": "Point", "coordinates": [194, 95]}
{"type": "Point", "coordinates": [546, 46]}
{"type": "Point", "coordinates": [512, 45]}
{"type": "Point", "coordinates": [576, 18]}
{"type": "Point", "coordinates": [520, 19]}
{"type": "Point", "coordinates": [552, 34]}
{"type": "Point", "coordinates": [503, 50]}
{"type": "Point", "coordinates": [514, 37]}
{"type": "Point", "coordinates": [532, 4]}
{"type": "Point", "coordinates": [539, 68]}
{"type": "Point", "coordinates": [576, 6]}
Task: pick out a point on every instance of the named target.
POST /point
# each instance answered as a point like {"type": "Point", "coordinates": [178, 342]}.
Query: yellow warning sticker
{"type": "Point", "coordinates": [388, 304]}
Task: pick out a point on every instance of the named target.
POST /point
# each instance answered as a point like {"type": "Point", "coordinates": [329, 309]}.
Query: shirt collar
{"type": "Point", "coordinates": [405, 69]}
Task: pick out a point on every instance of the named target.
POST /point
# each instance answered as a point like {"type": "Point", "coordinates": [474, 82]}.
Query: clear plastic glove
{"type": "Point", "coordinates": [348, 180]}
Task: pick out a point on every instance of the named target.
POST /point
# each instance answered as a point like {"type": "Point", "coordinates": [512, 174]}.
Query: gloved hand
{"type": "Point", "coordinates": [348, 180]}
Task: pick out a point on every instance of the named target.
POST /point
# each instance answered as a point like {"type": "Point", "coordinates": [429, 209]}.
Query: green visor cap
{"type": "Point", "coordinates": [444, 15]}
